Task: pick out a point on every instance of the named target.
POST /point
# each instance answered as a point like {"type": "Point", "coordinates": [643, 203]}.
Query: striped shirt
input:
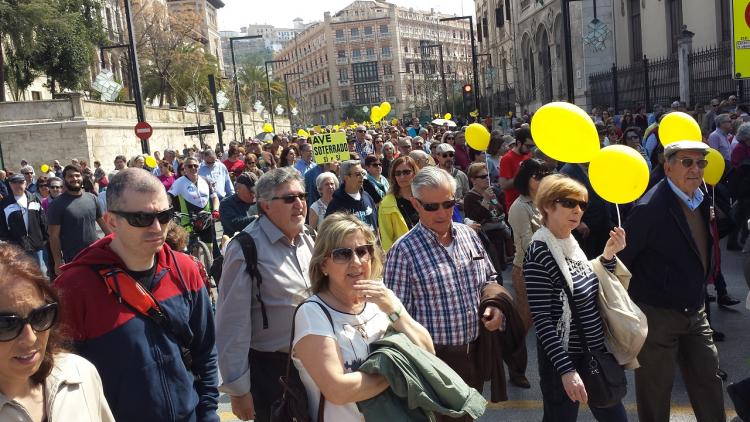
{"type": "Point", "coordinates": [441, 286]}
{"type": "Point", "coordinates": [544, 286]}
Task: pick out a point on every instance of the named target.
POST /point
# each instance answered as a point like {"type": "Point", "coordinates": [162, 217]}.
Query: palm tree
{"type": "Point", "coordinates": [253, 86]}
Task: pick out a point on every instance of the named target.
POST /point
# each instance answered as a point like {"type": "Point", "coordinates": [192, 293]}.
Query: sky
{"type": "Point", "coordinates": [280, 13]}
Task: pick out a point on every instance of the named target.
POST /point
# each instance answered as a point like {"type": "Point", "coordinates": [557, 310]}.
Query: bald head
{"type": "Point", "coordinates": [131, 180]}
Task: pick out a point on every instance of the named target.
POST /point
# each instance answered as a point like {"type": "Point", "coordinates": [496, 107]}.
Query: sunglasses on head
{"type": "Point", "coordinates": [40, 319]}
{"type": "Point", "coordinates": [448, 154]}
{"type": "Point", "coordinates": [345, 255]}
{"type": "Point", "coordinates": [399, 173]}
{"type": "Point", "coordinates": [570, 203]}
{"type": "Point", "coordinates": [145, 219]}
{"type": "Point", "coordinates": [434, 206]}
{"type": "Point", "coordinates": [688, 162]}
{"type": "Point", "coordinates": [289, 199]}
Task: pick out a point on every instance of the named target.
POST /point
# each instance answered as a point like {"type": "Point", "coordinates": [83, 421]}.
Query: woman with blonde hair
{"type": "Point", "coordinates": [344, 276]}
{"type": "Point", "coordinates": [396, 215]}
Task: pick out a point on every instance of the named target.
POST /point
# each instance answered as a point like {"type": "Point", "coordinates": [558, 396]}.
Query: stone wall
{"type": "Point", "coordinates": [42, 131]}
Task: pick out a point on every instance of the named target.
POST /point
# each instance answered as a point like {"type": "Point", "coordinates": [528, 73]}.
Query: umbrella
{"type": "Point", "coordinates": [441, 122]}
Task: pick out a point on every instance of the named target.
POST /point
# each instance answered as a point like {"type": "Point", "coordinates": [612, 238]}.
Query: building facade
{"type": "Point", "coordinates": [373, 51]}
{"type": "Point", "coordinates": [208, 30]}
{"type": "Point", "coordinates": [275, 38]}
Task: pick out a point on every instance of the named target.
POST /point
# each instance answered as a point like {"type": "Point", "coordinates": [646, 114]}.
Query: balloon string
{"type": "Point", "coordinates": [619, 222]}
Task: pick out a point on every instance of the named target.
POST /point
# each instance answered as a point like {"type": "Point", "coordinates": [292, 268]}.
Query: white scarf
{"type": "Point", "coordinates": [567, 254]}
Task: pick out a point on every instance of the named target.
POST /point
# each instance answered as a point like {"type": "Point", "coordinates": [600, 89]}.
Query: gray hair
{"type": "Point", "coordinates": [131, 179]}
{"type": "Point", "coordinates": [346, 167]}
{"type": "Point", "coordinates": [27, 168]}
{"type": "Point", "coordinates": [388, 144]}
{"type": "Point", "coordinates": [743, 133]}
{"type": "Point", "coordinates": [266, 187]}
{"type": "Point", "coordinates": [322, 177]}
{"type": "Point", "coordinates": [721, 118]}
{"type": "Point", "coordinates": [419, 155]}
{"type": "Point", "coordinates": [432, 177]}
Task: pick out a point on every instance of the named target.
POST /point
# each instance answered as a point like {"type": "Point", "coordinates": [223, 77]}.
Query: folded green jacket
{"type": "Point", "coordinates": [420, 384]}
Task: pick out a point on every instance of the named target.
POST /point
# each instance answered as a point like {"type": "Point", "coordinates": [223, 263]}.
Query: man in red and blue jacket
{"type": "Point", "coordinates": [140, 361]}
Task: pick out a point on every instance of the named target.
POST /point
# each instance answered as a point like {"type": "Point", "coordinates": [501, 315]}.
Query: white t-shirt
{"type": "Point", "coordinates": [353, 334]}
{"type": "Point", "coordinates": [185, 188]}
{"type": "Point", "coordinates": [23, 204]}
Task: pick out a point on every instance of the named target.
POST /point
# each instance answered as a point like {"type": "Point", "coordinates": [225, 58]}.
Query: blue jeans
{"type": "Point", "coordinates": [557, 405]}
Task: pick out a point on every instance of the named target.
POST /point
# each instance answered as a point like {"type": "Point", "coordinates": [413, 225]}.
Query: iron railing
{"type": "Point", "coordinates": [711, 74]}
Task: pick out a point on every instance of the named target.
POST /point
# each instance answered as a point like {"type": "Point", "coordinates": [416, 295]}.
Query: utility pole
{"type": "Point", "coordinates": [135, 75]}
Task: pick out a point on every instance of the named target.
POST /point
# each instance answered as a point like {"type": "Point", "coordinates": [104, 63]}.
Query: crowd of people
{"type": "Point", "coordinates": [402, 248]}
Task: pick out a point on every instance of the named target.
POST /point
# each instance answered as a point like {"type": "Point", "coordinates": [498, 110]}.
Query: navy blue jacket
{"type": "Point", "coordinates": [234, 215]}
{"type": "Point", "coordinates": [364, 209]}
{"type": "Point", "coordinates": [662, 254]}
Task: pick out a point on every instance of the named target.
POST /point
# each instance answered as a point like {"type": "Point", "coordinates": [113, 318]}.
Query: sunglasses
{"type": "Point", "coordinates": [26, 172]}
{"type": "Point", "coordinates": [434, 206]}
{"type": "Point", "coordinates": [399, 173]}
{"type": "Point", "coordinates": [145, 219]}
{"type": "Point", "coordinates": [249, 163]}
{"type": "Point", "coordinates": [448, 154]}
{"type": "Point", "coordinates": [345, 255]}
{"type": "Point", "coordinates": [191, 166]}
{"type": "Point", "coordinates": [361, 131]}
{"type": "Point", "coordinates": [529, 145]}
{"type": "Point", "coordinates": [481, 176]}
{"type": "Point", "coordinates": [572, 203]}
{"type": "Point", "coordinates": [40, 319]}
{"type": "Point", "coordinates": [55, 187]}
{"type": "Point", "coordinates": [634, 137]}
{"type": "Point", "coordinates": [376, 165]}
{"type": "Point", "coordinates": [289, 199]}
{"type": "Point", "coordinates": [688, 162]}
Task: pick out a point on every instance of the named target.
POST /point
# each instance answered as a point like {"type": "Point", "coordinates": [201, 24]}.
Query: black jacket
{"type": "Point", "coordinates": [662, 254]}
{"type": "Point", "coordinates": [13, 229]}
{"type": "Point", "coordinates": [234, 214]}
{"type": "Point", "coordinates": [364, 209]}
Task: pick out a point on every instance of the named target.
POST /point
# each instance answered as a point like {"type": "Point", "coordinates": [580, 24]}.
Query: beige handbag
{"type": "Point", "coordinates": [625, 325]}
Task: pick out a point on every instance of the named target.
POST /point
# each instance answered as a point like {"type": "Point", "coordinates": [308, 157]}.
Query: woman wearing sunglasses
{"type": "Point", "coordinates": [344, 272]}
{"type": "Point", "coordinates": [39, 381]}
{"type": "Point", "coordinates": [554, 263]}
{"type": "Point", "coordinates": [396, 215]}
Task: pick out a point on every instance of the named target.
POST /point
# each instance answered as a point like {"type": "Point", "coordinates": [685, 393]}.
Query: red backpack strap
{"type": "Point", "coordinates": [126, 289]}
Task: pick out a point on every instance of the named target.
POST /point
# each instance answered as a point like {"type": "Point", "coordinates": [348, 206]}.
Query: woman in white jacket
{"type": "Point", "coordinates": [38, 380]}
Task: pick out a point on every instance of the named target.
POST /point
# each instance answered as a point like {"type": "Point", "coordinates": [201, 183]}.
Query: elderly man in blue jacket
{"type": "Point", "coordinates": [669, 255]}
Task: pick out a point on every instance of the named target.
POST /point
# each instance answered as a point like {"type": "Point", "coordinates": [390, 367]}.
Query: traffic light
{"type": "Point", "coordinates": [468, 97]}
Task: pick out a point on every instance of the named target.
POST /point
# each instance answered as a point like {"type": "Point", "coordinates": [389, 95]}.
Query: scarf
{"type": "Point", "coordinates": [569, 256]}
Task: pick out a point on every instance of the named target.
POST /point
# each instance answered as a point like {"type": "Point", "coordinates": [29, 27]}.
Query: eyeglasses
{"type": "Point", "coordinates": [55, 187]}
{"type": "Point", "coordinates": [448, 154]}
{"type": "Point", "coordinates": [345, 255]}
{"type": "Point", "coordinates": [376, 165]}
{"type": "Point", "coordinates": [570, 203]}
{"type": "Point", "coordinates": [434, 206]}
{"type": "Point", "coordinates": [145, 219]}
{"type": "Point", "coordinates": [688, 162]}
{"type": "Point", "coordinates": [249, 163]}
{"type": "Point", "coordinates": [481, 176]}
{"type": "Point", "coordinates": [289, 199]}
{"type": "Point", "coordinates": [399, 173]}
{"type": "Point", "coordinates": [26, 172]}
{"type": "Point", "coordinates": [191, 166]}
{"type": "Point", "coordinates": [361, 131]}
{"type": "Point", "coordinates": [40, 319]}
{"type": "Point", "coordinates": [359, 174]}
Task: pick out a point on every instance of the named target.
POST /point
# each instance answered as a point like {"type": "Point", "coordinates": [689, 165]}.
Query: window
{"type": "Point", "coordinates": [367, 93]}
{"type": "Point", "coordinates": [344, 74]}
{"type": "Point", "coordinates": [674, 22]}
{"type": "Point", "coordinates": [383, 29]}
{"type": "Point", "coordinates": [365, 72]}
{"type": "Point", "coordinates": [387, 69]}
{"type": "Point", "coordinates": [356, 53]}
{"type": "Point", "coordinates": [386, 51]}
{"type": "Point", "coordinates": [339, 33]}
{"type": "Point", "coordinates": [370, 51]}
{"type": "Point", "coordinates": [37, 95]}
{"type": "Point", "coordinates": [341, 54]}
{"type": "Point", "coordinates": [636, 42]}
{"type": "Point", "coordinates": [406, 48]}
{"type": "Point", "coordinates": [355, 32]}
{"type": "Point", "coordinates": [389, 90]}
{"type": "Point", "coordinates": [368, 30]}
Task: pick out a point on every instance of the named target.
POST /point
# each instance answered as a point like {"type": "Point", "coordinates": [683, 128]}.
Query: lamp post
{"type": "Point", "coordinates": [237, 85]}
{"type": "Point", "coordinates": [135, 76]}
{"type": "Point", "coordinates": [442, 73]}
{"type": "Point", "coordinates": [268, 82]}
{"type": "Point", "coordinates": [473, 54]}
{"type": "Point", "coordinates": [288, 105]}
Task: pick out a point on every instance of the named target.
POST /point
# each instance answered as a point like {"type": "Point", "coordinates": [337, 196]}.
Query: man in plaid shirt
{"type": "Point", "coordinates": [362, 146]}
{"type": "Point", "coordinates": [438, 270]}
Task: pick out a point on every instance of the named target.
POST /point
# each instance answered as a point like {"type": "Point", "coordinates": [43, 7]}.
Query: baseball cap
{"type": "Point", "coordinates": [16, 178]}
{"type": "Point", "coordinates": [675, 104]}
{"type": "Point", "coordinates": [247, 179]}
{"type": "Point", "coordinates": [443, 148]}
{"type": "Point", "coordinates": [674, 147]}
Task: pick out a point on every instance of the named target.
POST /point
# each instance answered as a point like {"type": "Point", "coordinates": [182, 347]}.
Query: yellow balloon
{"type": "Point", "coordinates": [150, 161]}
{"type": "Point", "coordinates": [268, 128]}
{"type": "Point", "coordinates": [385, 108]}
{"type": "Point", "coordinates": [335, 128]}
{"type": "Point", "coordinates": [477, 137]}
{"type": "Point", "coordinates": [618, 174]}
{"type": "Point", "coordinates": [448, 116]}
{"type": "Point", "coordinates": [375, 115]}
{"type": "Point", "coordinates": [44, 168]}
{"type": "Point", "coordinates": [317, 129]}
{"type": "Point", "coordinates": [565, 133]}
{"type": "Point", "coordinates": [714, 171]}
{"type": "Point", "coordinates": [679, 126]}
{"type": "Point", "coordinates": [394, 122]}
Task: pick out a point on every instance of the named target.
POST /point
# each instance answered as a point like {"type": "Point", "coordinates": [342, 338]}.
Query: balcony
{"type": "Point", "coordinates": [346, 103]}
{"type": "Point", "coordinates": [387, 78]}
{"type": "Point", "coordinates": [342, 60]}
{"type": "Point", "coordinates": [368, 36]}
{"type": "Point", "coordinates": [358, 59]}
{"type": "Point", "coordinates": [391, 100]}
{"type": "Point", "coordinates": [371, 57]}
{"type": "Point", "coordinates": [339, 40]}
{"type": "Point", "coordinates": [385, 55]}
{"type": "Point", "coordinates": [355, 37]}
{"type": "Point", "coordinates": [384, 35]}
{"type": "Point", "coordinates": [344, 83]}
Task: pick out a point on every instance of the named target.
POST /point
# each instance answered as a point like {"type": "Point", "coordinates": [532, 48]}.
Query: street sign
{"type": "Point", "coordinates": [198, 130]}
{"type": "Point", "coordinates": [143, 130]}
{"type": "Point", "coordinates": [741, 39]}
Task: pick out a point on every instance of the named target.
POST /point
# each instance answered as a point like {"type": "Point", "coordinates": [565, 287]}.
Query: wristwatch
{"type": "Point", "coordinates": [394, 316]}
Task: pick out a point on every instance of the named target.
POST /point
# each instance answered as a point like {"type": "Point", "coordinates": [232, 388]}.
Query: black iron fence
{"type": "Point", "coordinates": [656, 81]}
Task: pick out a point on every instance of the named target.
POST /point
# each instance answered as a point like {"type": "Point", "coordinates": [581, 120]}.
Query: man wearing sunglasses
{"type": "Point", "coordinates": [23, 221]}
{"type": "Point", "coordinates": [440, 270]}
{"type": "Point", "coordinates": [669, 253]}
{"type": "Point", "coordinates": [351, 197]}
{"type": "Point", "coordinates": [445, 160]}
{"type": "Point", "coordinates": [141, 361]}
{"type": "Point", "coordinates": [362, 146]}
{"type": "Point", "coordinates": [253, 314]}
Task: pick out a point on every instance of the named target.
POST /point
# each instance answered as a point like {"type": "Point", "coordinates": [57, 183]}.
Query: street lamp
{"type": "Point", "coordinates": [288, 105]}
{"type": "Point", "coordinates": [442, 73]}
{"type": "Point", "coordinates": [473, 53]}
{"type": "Point", "coordinates": [268, 82]}
{"type": "Point", "coordinates": [135, 76]}
{"type": "Point", "coordinates": [237, 85]}
{"type": "Point", "coordinates": [413, 86]}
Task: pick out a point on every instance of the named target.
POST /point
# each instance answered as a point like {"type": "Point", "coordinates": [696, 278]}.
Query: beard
{"type": "Point", "coordinates": [73, 188]}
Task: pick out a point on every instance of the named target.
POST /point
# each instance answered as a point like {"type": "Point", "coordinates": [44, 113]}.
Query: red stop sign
{"type": "Point", "coordinates": [143, 130]}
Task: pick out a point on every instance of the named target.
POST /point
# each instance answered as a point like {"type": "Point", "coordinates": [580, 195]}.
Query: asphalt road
{"type": "Point", "coordinates": [734, 355]}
